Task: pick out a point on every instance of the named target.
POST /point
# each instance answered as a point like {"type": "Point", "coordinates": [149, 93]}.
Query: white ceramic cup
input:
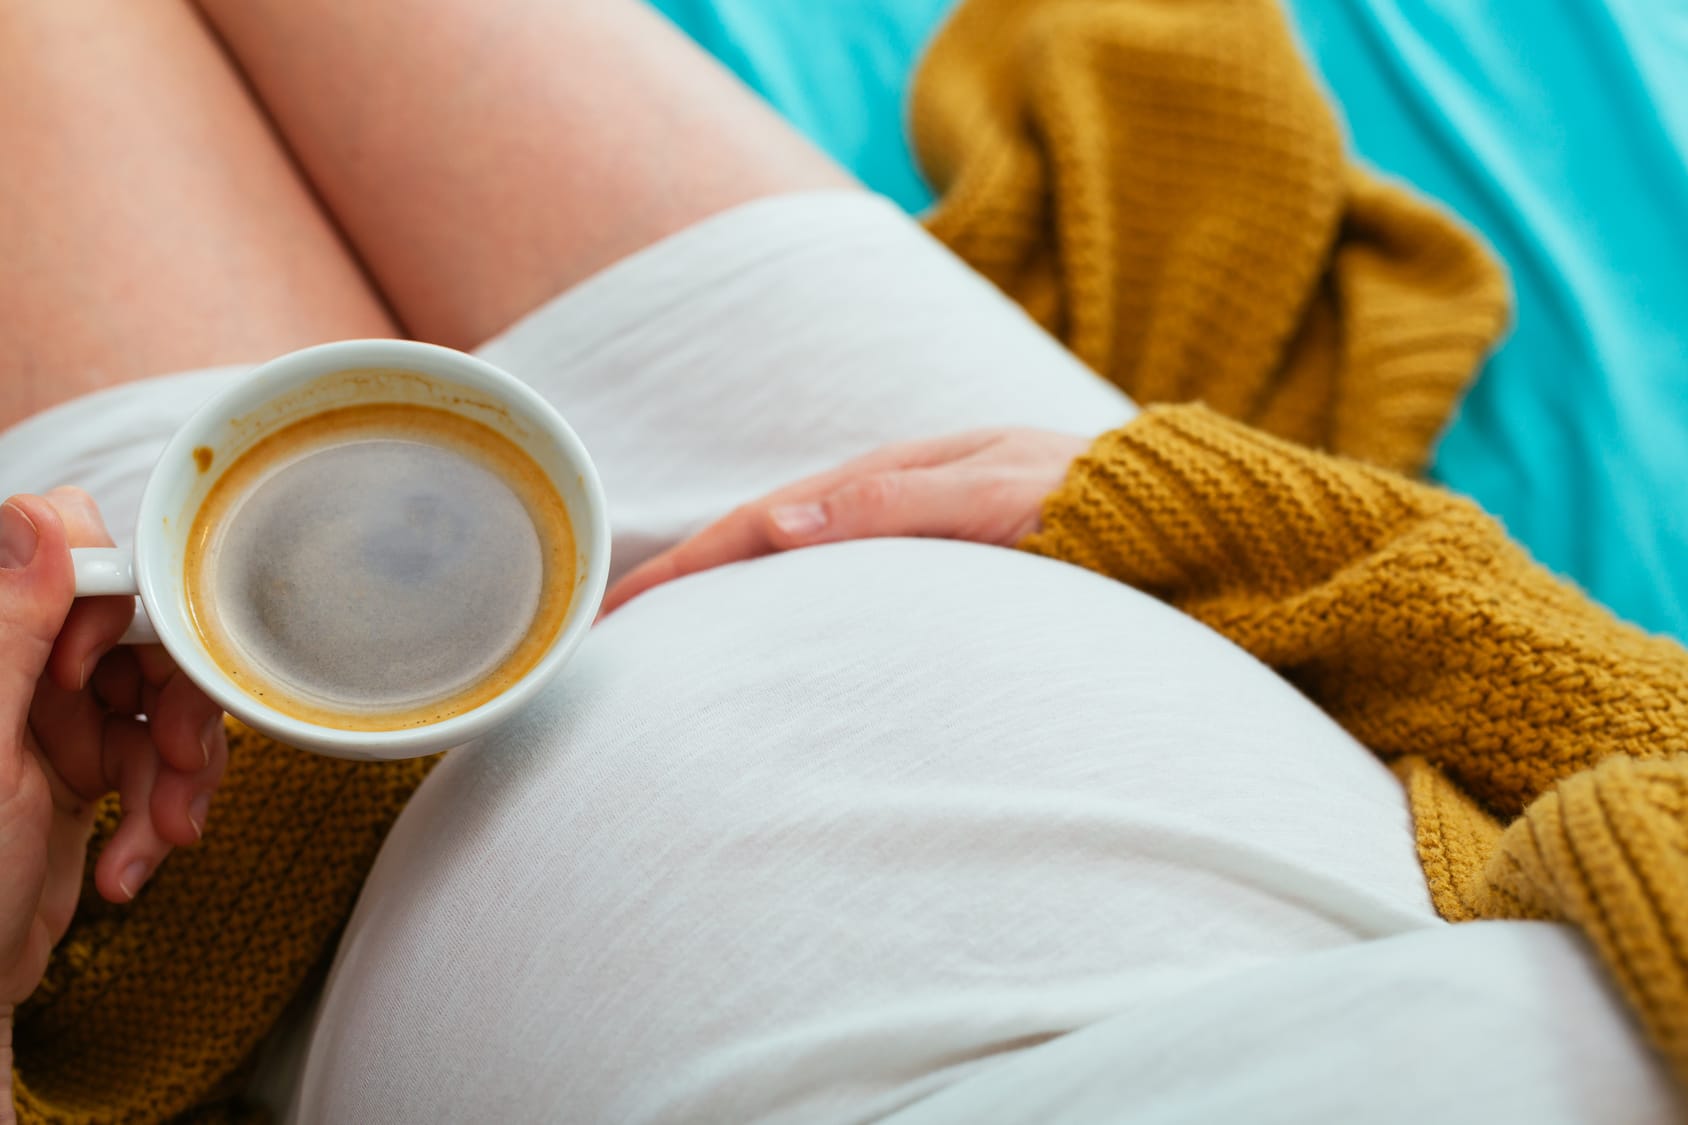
{"type": "Point", "coordinates": [298, 386]}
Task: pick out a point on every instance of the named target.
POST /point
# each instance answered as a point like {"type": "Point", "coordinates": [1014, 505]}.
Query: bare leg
{"type": "Point", "coordinates": [149, 221]}
{"type": "Point", "coordinates": [483, 156]}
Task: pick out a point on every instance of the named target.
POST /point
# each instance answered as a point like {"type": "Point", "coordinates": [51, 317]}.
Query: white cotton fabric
{"type": "Point", "coordinates": [915, 829]}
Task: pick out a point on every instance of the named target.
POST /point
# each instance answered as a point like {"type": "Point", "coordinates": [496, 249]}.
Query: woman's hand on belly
{"type": "Point", "coordinates": [985, 486]}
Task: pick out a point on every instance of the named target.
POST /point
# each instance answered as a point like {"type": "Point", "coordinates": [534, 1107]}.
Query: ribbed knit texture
{"type": "Point", "coordinates": [1162, 185]}
{"type": "Point", "coordinates": [1410, 617]}
{"type": "Point", "coordinates": [151, 1009]}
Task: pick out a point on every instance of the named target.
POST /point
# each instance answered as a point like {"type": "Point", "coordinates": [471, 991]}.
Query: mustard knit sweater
{"type": "Point", "coordinates": [1159, 183]}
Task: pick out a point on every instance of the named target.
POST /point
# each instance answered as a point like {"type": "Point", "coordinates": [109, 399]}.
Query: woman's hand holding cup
{"type": "Point", "coordinates": [80, 717]}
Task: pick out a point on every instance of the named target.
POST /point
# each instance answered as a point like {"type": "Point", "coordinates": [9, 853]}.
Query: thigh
{"type": "Point", "coordinates": [733, 311]}
{"type": "Point", "coordinates": [810, 838]}
{"type": "Point", "coordinates": [485, 156]}
{"type": "Point", "coordinates": [148, 220]}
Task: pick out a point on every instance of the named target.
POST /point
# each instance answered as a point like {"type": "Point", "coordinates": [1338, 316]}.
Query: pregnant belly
{"type": "Point", "coordinates": [814, 835]}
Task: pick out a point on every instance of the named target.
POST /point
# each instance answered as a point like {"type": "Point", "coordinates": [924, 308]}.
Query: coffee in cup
{"type": "Point", "coordinates": [380, 566]}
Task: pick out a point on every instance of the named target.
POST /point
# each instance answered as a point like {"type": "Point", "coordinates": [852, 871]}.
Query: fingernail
{"type": "Point", "coordinates": [134, 877]}
{"type": "Point", "coordinates": [799, 519]}
{"type": "Point", "coordinates": [197, 811]}
{"type": "Point", "coordinates": [18, 537]}
{"type": "Point", "coordinates": [208, 738]}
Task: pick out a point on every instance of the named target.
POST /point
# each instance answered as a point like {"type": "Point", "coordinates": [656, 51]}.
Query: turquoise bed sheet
{"type": "Point", "coordinates": [1558, 128]}
{"type": "Point", "coordinates": [836, 69]}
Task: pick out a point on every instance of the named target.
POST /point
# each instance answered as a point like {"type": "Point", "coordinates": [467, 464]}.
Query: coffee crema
{"type": "Point", "coordinates": [380, 567]}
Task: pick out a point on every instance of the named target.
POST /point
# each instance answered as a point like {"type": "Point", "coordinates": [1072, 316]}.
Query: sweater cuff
{"type": "Point", "coordinates": [1182, 501]}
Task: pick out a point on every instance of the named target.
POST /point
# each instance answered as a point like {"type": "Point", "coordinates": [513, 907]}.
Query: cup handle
{"type": "Point", "coordinates": [101, 571]}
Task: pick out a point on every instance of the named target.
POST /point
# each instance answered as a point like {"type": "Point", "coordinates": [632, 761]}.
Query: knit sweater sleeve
{"type": "Point", "coordinates": [1403, 611]}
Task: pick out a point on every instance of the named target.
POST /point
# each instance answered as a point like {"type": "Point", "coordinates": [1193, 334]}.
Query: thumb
{"type": "Point", "coordinates": [37, 587]}
{"type": "Point", "coordinates": [919, 502]}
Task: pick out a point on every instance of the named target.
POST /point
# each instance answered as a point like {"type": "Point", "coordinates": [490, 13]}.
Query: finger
{"type": "Point", "coordinates": [740, 535]}
{"type": "Point", "coordinates": [69, 728]}
{"type": "Point", "coordinates": [182, 801]}
{"type": "Point", "coordinates": [91, 630]}
{"type": "Point", "coordinates": [932, 503]}
{"type": "Point", "coordinates": [93, 625]}
{"type": "Point", "coordinates": [36, 590]}
{"type": "Point", "coordinates": [185, 725]}
{"type": "Point", "coordinates": [647, 575]}
{"type": "Point", "coordinates": [157, 669]}
{"type": "Point", "coordinates": [67, 849]}
{"type": "Point", "coordinates": [149, 698]}
{"type": "Point", "coordinates": [155, 664]}
{"type": "Point", "coordinates": [135, 849]}
{"type": "Point", "coordinates": [116, 682]}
